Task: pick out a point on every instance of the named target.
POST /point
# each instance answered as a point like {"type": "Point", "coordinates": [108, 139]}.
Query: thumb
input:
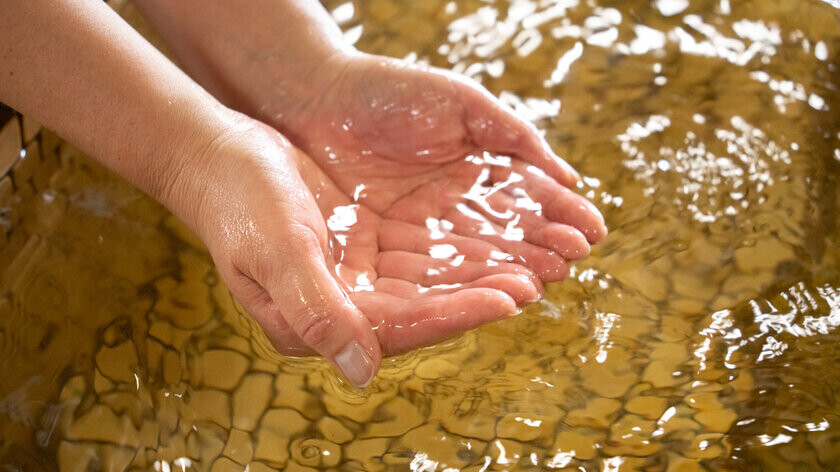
{"type": "Point", "coordinates": [493, 126]}
{"type": "Point", "coordinates": [321, 314]}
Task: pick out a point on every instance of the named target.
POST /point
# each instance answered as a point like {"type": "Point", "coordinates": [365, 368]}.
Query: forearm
{"type": "Point", "coordinates": [234, 46]}
{"type": "Point", "coordinates": [76, 67]}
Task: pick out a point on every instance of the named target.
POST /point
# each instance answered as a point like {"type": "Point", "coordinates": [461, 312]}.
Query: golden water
{"type": "Point", "coordinates": [702, 335]}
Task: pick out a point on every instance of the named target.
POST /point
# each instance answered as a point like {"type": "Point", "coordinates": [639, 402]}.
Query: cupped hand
{"type": "Point", "coordinates": [323, 274]}
{"type": "Point", "coordinates": [439, 188]}
{"type": "Point", "coordinates": [432, 148]}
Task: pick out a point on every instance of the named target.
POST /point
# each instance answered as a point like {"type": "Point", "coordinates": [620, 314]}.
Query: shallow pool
{"type": "Point", "coordinates": [702, 335]}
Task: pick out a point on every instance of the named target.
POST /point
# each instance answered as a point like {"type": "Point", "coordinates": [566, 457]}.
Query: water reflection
{"type": "Point", "coordinates": [703, 335]}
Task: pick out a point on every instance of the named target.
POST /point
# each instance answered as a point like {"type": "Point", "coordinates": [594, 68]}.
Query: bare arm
{"type": "Point", "coordinates": [272, 59]}
{"type": "Point", "coordinates": [285, 63]}
{"type": "Point", "coordinates": [78, 68]}
{"type": "Point", "coordinates": [277, 45]}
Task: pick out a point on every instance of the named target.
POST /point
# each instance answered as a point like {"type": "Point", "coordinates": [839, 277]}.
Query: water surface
{"type": "Point", "coordinates": [702, 335]}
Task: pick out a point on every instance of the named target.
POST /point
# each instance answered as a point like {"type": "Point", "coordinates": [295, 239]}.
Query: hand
{"type": "Point", "coordinates": [410, 142]}
{"type": "Point", "coordinates": [393, 136]}
{"type": "Point", "coordinates": [415, 285]}
{"type": "Point", "coordinates": [407, 287]}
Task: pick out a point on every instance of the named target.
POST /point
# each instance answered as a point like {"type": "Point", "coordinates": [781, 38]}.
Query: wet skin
{"type": "Point", "coordinates": [429, 147]}
{"type": "Point", "coordinates": [452, 210]}
{"type": "Point", "coordinates": [437, 216]}
{"type": "Point", "coordinates": [414, 286]}
{"type": "Point", "coordinates": [456, 223]}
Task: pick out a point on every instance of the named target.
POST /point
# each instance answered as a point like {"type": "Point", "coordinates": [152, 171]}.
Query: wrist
{"type": "Point", "coordinates": [289, 95]}
{"type": "Point", "coordinates": [195, 164]}
{"type": "Point", "coordinates": [215, 172]}
{"type": "Point", "coordinates": [249, 62]}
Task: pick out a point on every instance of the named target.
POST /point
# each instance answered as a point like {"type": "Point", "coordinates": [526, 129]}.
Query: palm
{"type": "Point", "coordinates": [408, 143]}
{"type": "Point", "coordinates": [414, 286]}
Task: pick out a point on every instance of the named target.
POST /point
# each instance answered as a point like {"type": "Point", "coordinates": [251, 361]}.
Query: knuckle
{"type": "Point", "coordinates": [302, 238]}
{"type": "Point", "coordinates": [314, 327]}
{"type": "Point", "coordinates": [291, 250]}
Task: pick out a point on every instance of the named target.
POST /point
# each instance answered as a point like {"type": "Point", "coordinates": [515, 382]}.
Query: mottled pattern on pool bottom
{"type": "Point", "coordinates": [701, 336]}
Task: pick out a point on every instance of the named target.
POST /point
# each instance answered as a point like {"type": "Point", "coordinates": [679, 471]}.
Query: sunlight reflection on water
{"type": "Point", "coordinates": [701, 336]}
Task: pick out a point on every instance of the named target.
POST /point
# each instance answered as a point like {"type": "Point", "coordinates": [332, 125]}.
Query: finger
{"type": "Point", "coordinates": [319, 312]}
{"type": "Point", "coordinates": [428, 271]}
{"type": "Point", "coordinates": [563, 239]}
{"type": "Point", "coordinates": [549, 265]}
{"type": "Point", "coordinates": [353, 245]}
{"type": "Point", "coordinates": [435, 240]}
{"type": "Point", "coordinates": [520, 288]}
{"type": "Point", "coordinates": [501, 208]}
{"type": "Point", "coordinates": [492, 126]}
{"type": "Point", "coordinates": [558, 203]}
{"type": "Point", "coordinates": [403, 325]}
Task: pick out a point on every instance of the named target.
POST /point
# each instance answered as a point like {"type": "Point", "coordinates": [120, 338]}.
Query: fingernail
{"type": "Point", "coordinates": [356, 365]}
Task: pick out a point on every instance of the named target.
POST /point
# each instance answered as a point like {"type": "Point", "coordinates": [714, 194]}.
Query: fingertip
{"type": "Point", "coordinates": [596, 230]}
{"type": "Point", "coordinates": [361, 354]}
{"type": "Point", "coordinates": [578, 212]}
{"type": "Point", "coordinates": [596, 234]}
{"type": "Point", "coordinates": [521, 288]}
{"type": "Point", "coordinates": [486, 305]}
{"type": "Point", "coordinates": [355, 362]}
{"type": "Point", "coordinates": [546, 264]}
{"type": "Point", "coordinates": [506, 305]}
{"type": "Point", "coordinates": [566, 240]}
{"type": "Point", "coordinates": [599, 229]}
{"type": "Point", "coordinates": [565, 174]}
{"type": "Point", "coordinates": [529, 292]}
{"type": "Point", "coordinates": [577, 252]}
{"type": "Point", "coordinates": [571, 176]}
{"type": "Point", "coordinates": [324, 317]}
{"type": "Point", "coordinates": [347, 339]}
